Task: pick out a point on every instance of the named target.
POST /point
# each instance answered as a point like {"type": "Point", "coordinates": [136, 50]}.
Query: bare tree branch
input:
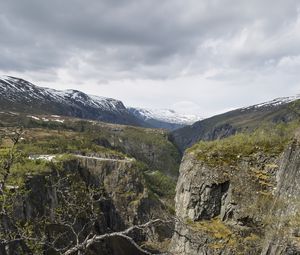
{"type": "Point", "coordinates": [124, 234]}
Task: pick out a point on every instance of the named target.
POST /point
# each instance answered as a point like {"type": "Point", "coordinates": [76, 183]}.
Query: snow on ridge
{"type": "Point", "coordinates": [6, 77]}
{"type": "Point", "coordinates": [274, 102]}
{"type": "Point", "coordinates": [111, 103]}
{"type": "Point", "coordinates": [167, 115]}
{"type": "Point", "coordinates": [20, 89]}
{"type": "Point", "coordinates": [103, 103]}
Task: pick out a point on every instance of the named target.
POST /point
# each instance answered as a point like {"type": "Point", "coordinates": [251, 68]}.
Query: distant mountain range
{"type": "Point", "coordinates": [22, 96]}
{"type": "Point", "coordinates": [18, 95]}
{"type": "Point", "coordinates": [163, 118]}
{"type": "Point", "coordinates": [284, 109]}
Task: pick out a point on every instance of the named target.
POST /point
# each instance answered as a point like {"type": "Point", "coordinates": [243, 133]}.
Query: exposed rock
{"type": "Point", "coordinates": [283, 235]}
{"type": "Point", "coordinates": [224, 209]}
{"type": "Point", "coordinates": [125, 202]}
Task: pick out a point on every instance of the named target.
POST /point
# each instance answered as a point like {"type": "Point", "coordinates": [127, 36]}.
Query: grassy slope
{"type": "Point", "coordinates": [269, 139]}
{"type": "Point", "coordinates": [229, 123]}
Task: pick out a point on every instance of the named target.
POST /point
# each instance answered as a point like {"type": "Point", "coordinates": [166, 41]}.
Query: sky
{"type": "Point", "coordinates": [196, 57]}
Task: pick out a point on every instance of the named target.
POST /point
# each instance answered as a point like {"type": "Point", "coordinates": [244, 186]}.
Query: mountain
{"type": "Point", "coordinates": [22, 96]}
{"type": "Point", "coordinates": [282, 109]}
{"type": "Point", "coordinates": [163, 118]}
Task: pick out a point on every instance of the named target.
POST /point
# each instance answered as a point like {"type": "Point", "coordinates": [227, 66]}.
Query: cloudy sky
{"type": "Point", "coordinates": [200, 57]}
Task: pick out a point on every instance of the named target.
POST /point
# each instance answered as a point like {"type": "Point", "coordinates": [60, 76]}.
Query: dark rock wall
{"type": "Point", "coordinates": [250, 207]}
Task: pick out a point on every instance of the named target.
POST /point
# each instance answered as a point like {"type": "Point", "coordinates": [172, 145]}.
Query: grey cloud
{"type": "Point", "coordinates": [144, 33]}
{"type": "Point", "coordinates": [226, 41]}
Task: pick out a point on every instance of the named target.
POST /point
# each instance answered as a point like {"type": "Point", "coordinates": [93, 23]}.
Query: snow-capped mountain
{"type": "Point", "coordinates": [273, 103]}
{"type": "Point", "coordinates": [164, 118]}
{"type": "Point", "coordinates": [22, 96]}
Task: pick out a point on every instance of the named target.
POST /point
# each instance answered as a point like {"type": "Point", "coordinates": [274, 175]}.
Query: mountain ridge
{"type": "Point", "coordinates": [22, 96]}
{"type": "Point", "coordinates": [284, 109]}
{"type": "Point", "coordinates": [19, 95]}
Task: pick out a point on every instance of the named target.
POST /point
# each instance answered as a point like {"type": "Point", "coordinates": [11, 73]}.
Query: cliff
{"type": "Point", "coordinates": [240, 197]}
{"type": "Point", "coordinates": [87, 196]}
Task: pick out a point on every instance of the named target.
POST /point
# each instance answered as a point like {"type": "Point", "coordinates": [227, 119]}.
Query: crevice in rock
{"type": "Point", "coordinates": [212, 200]}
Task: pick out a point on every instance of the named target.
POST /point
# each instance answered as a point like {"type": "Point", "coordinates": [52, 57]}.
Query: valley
{"type": "Point", "coordinates": [75, 183]}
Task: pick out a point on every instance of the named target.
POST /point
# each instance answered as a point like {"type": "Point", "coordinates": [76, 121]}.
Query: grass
{"type": "Point", "coordinates": [39, 141]}
{"type": "Point", "coordinates": [215, 227]}
{"type": "Point", "coordinates": [224, 237]}
{"type": "Point", "coordinates": [228, 151]}
{"type": "Point", "coordinates": [24, 167]}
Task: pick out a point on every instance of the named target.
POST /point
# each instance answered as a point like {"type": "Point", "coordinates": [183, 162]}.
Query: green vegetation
{"type": "Point", "coordinates": [161, 187]}
{"type": "Point", "coordinates": [240, 120]}
{"type": "Point", "coordinates": [214, 227]}
{"type": "Point", "coordinates": [156, 156]}
{"type": "Point", "coordinates": [62, 143]}
{"type": "Point", "coordinates": [269, 140]}
{"type": "Point", "coordinates": [147, 145]}
{"type": "Point", "coordinates": [25, 167]}
{"type": "Point", "coordinates": [150, 146]}
{"type": "Point", "coordinates": [65, 144]}
{"type": "Point", "coordinates": [161, 184]}
{"type": "Point", "coordinates": [224, 237]}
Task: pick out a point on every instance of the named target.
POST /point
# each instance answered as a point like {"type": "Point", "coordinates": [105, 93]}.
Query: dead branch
{"type": "Point", "coordinates": [124, 234]}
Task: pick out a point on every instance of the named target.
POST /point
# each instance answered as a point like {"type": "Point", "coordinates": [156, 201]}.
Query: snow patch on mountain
{"type": "Point", "coordinates": [165, 115]}
{"type": "Point", "coordinates": [18, 90]}
{"type": "Point", "coordinates": [273, 103]}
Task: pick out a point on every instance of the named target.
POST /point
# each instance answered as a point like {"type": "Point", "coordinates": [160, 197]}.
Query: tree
{"type": "Point", "coordinates": [7, 160]}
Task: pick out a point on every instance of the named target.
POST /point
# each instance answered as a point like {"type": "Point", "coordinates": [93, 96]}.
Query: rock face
{"type": "Point", "coordinates": [124, 183]}
{"type": "Point", "coordinates": [149, 146]}
{"type": "Point", "coordinates": [284, 237]}
{"type": "Point", "coordinates": [248, 207]}
{"type": "Point", "coordinates": [123, 201]}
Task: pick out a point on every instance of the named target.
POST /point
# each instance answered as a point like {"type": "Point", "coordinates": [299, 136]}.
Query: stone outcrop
{"type": "Point", "coordinates": [248, 207]}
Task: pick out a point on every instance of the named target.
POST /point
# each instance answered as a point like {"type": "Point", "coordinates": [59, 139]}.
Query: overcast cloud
{"type": "Point", "coordinates": [201, 57]}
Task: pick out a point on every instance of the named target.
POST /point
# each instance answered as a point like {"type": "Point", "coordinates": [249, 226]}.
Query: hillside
{"type": "Point", "coordinates": [86, 177]}
{"type": "Point", "coordinates": [67, 178]}
{"type": "Point", "coordinates": [281, 110]}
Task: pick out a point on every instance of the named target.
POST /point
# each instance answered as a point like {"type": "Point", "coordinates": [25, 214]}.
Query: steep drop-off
{"type": "Point", "coordinates": [87, 196]}
{"type": "Point", "coordinates": [232, 202]}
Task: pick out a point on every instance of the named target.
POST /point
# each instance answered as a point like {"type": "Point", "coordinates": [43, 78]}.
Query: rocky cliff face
{"type": "Point", "coordinates": [67, 189]}
{"type": "Point", "coordinates": [283, 235]}
{"type": "Point", "coordinates": [249, 205]}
